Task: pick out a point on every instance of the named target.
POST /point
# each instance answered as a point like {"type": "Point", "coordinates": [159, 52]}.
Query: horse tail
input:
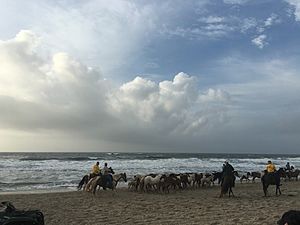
{"type": "Point", "coordinates": [81, 183]}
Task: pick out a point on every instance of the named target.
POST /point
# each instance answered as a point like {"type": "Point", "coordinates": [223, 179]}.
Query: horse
{"type": "Point", "coordinates": [167, 181]}
{"type": "Point", "coordinates": [272, 179]}
{"type": "Point", "coordinates": [151, 182]}
{"type": "Point", "coordinates": [255, 175]}
{"type": "Point", "coordinates": [227, 184]}
{"type": "Point", "coordinates": [85, 180]}
{"type": "Point", "coordinates": [218, 176]}
{"type": "Point", "coordinates": [245, 177]}
{"type": "Point", "coordinates": [118, 177]}
{"type": "Point", "coordinates": [135, 183]}
{"type": "Point", "coordinates": [207, 179]}
{"type": "Point", "coordinates": [197, 181]}
{"type": "Point", "coordinates": [101, 181]}
{"type": "Point", "coordinates": [290, 174]}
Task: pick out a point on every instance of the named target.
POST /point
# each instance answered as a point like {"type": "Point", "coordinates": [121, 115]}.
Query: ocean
{"type": "Point", "coordinates": [21, 172]}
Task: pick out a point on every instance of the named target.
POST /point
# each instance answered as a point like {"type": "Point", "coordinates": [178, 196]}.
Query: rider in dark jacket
{"type": "Point", "coordinates": [227, 170]}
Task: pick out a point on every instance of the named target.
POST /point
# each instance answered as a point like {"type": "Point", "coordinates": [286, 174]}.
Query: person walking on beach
{"type": "Point", "coordinates": [95, 170]}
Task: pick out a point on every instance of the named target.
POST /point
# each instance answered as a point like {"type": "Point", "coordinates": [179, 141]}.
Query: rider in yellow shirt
{"type": "Point", "coordinates": [270, 167]}
{"type": "Point", "coordinates": [96, 170]}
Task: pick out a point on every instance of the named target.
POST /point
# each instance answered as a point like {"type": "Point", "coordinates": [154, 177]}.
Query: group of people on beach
{"type": "Point", "coordinates": [227, 169]}
{"type": "Point", "coordinates": [271, 168]}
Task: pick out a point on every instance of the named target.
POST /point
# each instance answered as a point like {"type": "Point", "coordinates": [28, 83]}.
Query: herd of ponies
{"type": "Point", "coordinates": [164, 183]}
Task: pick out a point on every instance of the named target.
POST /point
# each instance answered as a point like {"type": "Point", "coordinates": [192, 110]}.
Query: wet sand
{"type": "Point", "coordinates": [193, 206]}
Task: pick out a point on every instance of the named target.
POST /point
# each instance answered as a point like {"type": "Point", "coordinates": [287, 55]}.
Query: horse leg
{"type": "Point", "coordinates": [265, 188]}
{"type": "Point", "coordinates": [230, 191]}
{"type": "Point", "coordinates": [221, 194]}
{"type": "Point", "coordinates": [278, 190]}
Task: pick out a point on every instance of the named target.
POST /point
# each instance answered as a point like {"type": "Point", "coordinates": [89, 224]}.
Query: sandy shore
{"type": "Point", "coordinates": [198, 206]}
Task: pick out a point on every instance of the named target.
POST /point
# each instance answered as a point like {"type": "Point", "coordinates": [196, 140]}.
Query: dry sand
{"type": "Point", "coordinates": [198, 206]}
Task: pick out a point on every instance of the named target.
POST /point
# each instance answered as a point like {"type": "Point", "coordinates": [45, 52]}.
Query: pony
{"type": "Point", "coordinates": [255, 175]}
{"type": "Point", "coordinates": [167, 181]}
{"type": "Point", "coordinates": [291, 174]}
{"type": "Point", "coordinates": [218, 176]}
{"type": "Point", "coordinates": [151, 182]}
{"type": "Point", "coordinates": [227, 184]}
{"type": "Point", "coordinates": [245, 177]}
{"type": "Point", "coordinates": [118, 177]}
{"type": "Point", "coordinates": [272, 179]}
{"type": "Point", "coordinates": [135, 183]}
{"type": "Point", "coordinates": [207, 179]}
{"type": "Point", "coordinates": [197, 181]}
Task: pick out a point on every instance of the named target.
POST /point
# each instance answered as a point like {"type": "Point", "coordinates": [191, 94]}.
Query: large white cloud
{"type": "Point", "coordinates": [59, 94]}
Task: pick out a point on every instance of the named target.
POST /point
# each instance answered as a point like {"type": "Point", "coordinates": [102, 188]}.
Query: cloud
{"type": "Point", "coordinates": [260, 41]}
{"type": "Point", "coordinates": [61, 95]}
{"type": "Point", "coordinates": [296, 5]}
{"type": "Point", "coordinates": [239, 2]}
{"type": "Point", "coordinates": [273, 19]}
{"type": "Point", "coordinates": [248, 23]}
{"type": "Point", "coordinates": [208, 30]}
{"type": "Point", "coordinates": [211, 19]}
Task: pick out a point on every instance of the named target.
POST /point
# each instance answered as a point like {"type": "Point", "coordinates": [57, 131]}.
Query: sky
{"type": "Point", "coordinates": [205, 76]}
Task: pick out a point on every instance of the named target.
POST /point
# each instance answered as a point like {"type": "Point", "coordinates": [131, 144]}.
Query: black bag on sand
{"type": "Point", "coordinates": [12, 216]}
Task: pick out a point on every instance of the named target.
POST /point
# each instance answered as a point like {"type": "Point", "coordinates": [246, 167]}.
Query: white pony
{"type": "Point", "coordinates": [151, 182]}
{"type": "Point", "coordinates": [207, 180]}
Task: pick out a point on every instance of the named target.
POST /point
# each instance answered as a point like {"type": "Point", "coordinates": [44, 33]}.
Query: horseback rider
{"type": "Point", "coordinates": [270, 168]}
{"type": "Point", "coordinates": [107, 175]}
{"type": "Point", "coordinates": [287, 167]}
{"type": "Point", "coordinates": [95, 170]}
{"type": "Point", "coordinates": [227, 170]}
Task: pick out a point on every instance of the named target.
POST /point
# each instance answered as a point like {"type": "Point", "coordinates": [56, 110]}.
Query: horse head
{"type": "Point", "coordinates": [281, 172]}
{"type": "Point", "coordinates": [235, 173]}
{"type": "Point", "coordinates": [111, 170]}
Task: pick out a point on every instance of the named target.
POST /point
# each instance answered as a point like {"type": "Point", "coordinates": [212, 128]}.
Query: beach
{"type": "Point", "coordinates": [192, 206]}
